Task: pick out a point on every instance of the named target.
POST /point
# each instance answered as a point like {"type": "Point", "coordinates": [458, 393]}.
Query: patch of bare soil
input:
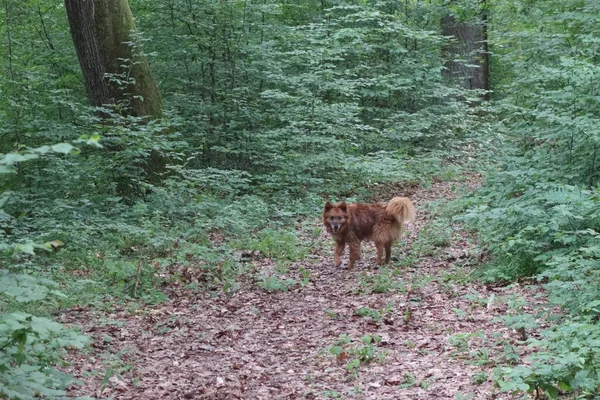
{"type": "Point", "coordinates": [438, 338]}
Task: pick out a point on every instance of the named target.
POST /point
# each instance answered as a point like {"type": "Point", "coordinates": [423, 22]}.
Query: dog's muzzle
{"type": "Point", "coordinates": [335, 227]}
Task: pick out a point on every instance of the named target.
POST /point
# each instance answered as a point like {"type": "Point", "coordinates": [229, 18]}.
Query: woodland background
{"type": "Point", "coordinates": [236, 119]}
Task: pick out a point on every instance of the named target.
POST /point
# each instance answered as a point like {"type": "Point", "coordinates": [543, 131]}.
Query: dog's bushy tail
{"type": "Point", "coordinates": [401, 208]}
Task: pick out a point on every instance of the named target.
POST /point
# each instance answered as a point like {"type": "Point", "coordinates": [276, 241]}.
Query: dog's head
{"type": "Point", "coordinates": [335, 216]}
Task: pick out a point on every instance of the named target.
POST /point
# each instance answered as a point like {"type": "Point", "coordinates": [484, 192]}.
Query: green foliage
{"type": "Point", "coordinates": [275, 244]}
{"type": "Point", "coordinates": [330, 92]}
{"type": "Point", "coordinates": [461, 342]}
{"type": "Point", "coordinates": [436, 234]}
{"type": "Point", "coordinates": [268, 107]}
{"type": "Point", "coordinates": [305, 275]}
{"type": "Point", "coordinates": [24, 288]}
{"type": "Point", "coordinates": [31, 345]}
{"type": "Point", "coordinates": [409, 380]}
{"type": "Point", "coordinates": [432, 237]}
{"type": "Point", "coordinates": [361, 353]}
{"type": "Point", "coordinates": [382, 281]}
{"type": "Point", "coordinates": [273, 283]}
{"type": "Point", "coordinates": [457, 275]}
{"type": "Point", "coordinates": [479, 378]}
{"type": "Point", "coordinates": [566, 363]}
{"type": "Point", "coordinates": [373, 314]}
{"type": "Point", "coordinates": [331, 394]}
{"type": "Point", "coordinates": [133, 279]}
{"type": "Point", "coordinates": [538, 213]}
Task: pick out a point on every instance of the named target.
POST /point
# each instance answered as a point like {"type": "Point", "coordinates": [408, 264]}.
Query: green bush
{"type": "Point", "coordinates": [538, 215]}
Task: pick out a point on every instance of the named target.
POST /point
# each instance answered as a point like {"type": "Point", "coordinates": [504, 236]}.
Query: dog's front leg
{"type": "Point", "coordinates": [354, 253]}
{"type": "Point", "coordinates": [339, 250]}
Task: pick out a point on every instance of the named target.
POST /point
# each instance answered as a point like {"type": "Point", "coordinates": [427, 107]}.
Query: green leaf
{"type": "Point", "coordinates": [42, 149]}
{"type": "Point", "coordinates": [43, 326]}
{"type": "Point", "coordinates": [27, 248]}
{"type": "Point", "coordinates": [20, 336]}
{"type": "Point", "coordinates": [355, 363]}
{"type": "Point", "coordinates": [592, 305]}
{"type": "Point", "coordinates": [564, 386]}
{"type": "Point", "coordinates": [107, 375]}
{"type": "Point", "coordinates": [550, 391]}
{"type": "Point", "coordinates": [13, 158]}
{"type": "Point", "coordinates": [7, 169]}
{"type": "Point", "coordinates": [4, 198]}
{"type": "Point", "coordinates": [336, 350]}
{"type": "Point", "coordinates": [64, 148]}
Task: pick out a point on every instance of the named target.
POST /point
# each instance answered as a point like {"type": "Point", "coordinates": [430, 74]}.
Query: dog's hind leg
{"type": "Point", "coordinates": [383, 248]}
{"type": "Point", "coordinates": [388, 252]}
{"type": "Point", "coordinates": [379, 247]}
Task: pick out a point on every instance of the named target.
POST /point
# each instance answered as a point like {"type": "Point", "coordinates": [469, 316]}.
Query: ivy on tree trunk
{"type": "Point", "coordinates": [114, 67]}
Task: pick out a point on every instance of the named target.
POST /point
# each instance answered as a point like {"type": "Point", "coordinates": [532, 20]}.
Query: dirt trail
{"type": "Point", "coordinates": [438, 340]}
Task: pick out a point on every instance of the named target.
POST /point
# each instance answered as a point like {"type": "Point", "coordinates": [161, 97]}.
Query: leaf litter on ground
{"type": "Point", "coordinates": [436, 329]}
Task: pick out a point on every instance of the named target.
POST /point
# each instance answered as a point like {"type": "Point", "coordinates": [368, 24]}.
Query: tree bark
{"type": "Point", "coordinates": [81, 20]}
{"type": "Point", "coordinates": [129, 76]}
{"type": "Point", "coordinates": [467, 55]}
{"type": "Point", "coordinates": [115, 70]}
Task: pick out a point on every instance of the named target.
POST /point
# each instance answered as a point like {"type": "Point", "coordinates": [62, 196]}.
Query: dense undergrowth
{"type": "Point", "coordinates": [270, 108]}
{"type": "Point", "coordinates": [538, 215]}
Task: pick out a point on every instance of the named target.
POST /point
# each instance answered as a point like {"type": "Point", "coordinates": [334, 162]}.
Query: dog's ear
{"type": "Point", "coordinates": [343, 206]}
{"type": "Point", "coordinates": [328, 205]}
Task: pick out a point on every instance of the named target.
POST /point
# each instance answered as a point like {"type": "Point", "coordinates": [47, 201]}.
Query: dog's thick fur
{"type": "Point", "coordinates": [353, 223]}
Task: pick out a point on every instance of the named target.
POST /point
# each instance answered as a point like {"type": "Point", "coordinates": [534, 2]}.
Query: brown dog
{"type": "Point", "coordinates": [353, 223]}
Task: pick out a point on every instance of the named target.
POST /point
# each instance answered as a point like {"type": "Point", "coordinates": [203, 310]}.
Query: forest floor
{"type": "Point", "coordinates": [419, 328]}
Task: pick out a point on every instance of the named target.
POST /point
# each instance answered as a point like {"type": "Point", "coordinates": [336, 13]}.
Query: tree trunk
{"type": "Point", "coordinates": [467, 54]}
{"type": "Point", "coordinates": [115, 70]}
{"type": "Point", "coordinates": [129, 76]}
{"type": "Point", "coordinates": [83, 32]}
{"type": "Point", "coordinates": [114, 67]}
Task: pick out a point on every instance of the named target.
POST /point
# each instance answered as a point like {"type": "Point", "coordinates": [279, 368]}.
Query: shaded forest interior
{"type": "Point", "coordinates": [152, 145]}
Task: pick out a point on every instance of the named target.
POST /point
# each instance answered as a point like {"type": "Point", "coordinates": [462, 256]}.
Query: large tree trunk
{"type": "Point", "coordinates": [467, 54]}
{"type": "Point", "coordinates": [114, 68]}
{"type": "Point", "coordinates": [83, 32]}
{"type": "Point", "coordinates": [128, 71]}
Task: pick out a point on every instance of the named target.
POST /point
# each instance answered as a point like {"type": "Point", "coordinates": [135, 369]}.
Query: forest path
{"type": "Point", "coordinates": [438, 338]}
